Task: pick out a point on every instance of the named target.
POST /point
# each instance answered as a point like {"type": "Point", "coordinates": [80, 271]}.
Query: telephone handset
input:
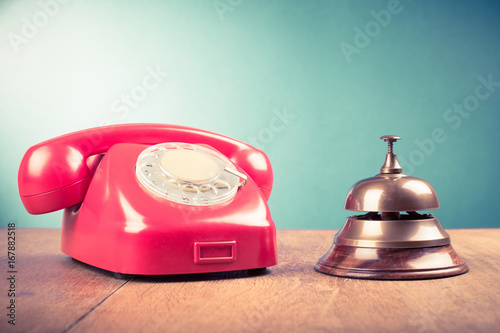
{"type": "Point", "coordinates": [154, 199]}
{"type": "Point", "coordinates": [54, 174]}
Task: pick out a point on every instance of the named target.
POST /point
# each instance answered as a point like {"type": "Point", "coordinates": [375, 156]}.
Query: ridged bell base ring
{"type": "Point", "coordinates": [392, 241]}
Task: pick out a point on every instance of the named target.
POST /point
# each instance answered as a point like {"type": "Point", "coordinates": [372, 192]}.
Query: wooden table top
{"type": "Point", "coordinates": [55, 293]}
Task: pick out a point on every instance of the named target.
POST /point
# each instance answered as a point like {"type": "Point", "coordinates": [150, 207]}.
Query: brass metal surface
{"type": "Point", "coordinates": [391, 193]}
{"type": "Point", "coordinates": [392, 233]}
{"type": "Point", "coordinates": [391, 190]}
{"type": "Point", "coordinates": [392, 264]}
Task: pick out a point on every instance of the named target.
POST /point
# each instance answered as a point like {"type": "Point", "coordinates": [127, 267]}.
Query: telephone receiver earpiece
{"type": "Point", "coordinates": [56, 173]}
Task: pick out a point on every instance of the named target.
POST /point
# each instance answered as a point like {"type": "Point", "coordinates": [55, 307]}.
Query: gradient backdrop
{"type": "Point", "coordinates": [312, 83]}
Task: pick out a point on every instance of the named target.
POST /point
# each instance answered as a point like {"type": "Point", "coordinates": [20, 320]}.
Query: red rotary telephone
{"type": "Point", "coordinates": [154, 199]}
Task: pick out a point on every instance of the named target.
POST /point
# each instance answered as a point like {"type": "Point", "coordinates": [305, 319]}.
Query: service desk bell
{"type": "Point", "coordinates": [385, 243]}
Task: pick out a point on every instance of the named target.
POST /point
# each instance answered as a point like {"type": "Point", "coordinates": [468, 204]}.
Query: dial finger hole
{"type": "Point", "coordinates": [187, 146]}
{"type": "Point", "coordinates": [222, 186]}
{"type": "Point", "coordinates": [190, 189]}
{"type": "Point", "coordinates": [173, 183]}
{"type": "Point", "coordinates": [208, 191]}
{"type": "Point", "coordinates": [162, 176]}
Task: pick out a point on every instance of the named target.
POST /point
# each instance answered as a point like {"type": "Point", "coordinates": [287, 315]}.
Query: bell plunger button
{"type": "Point", "coordinates": [391, 164]}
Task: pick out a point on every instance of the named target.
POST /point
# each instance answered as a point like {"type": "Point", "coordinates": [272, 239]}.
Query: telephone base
{"type": "Point", "coordinates": [121, 227]}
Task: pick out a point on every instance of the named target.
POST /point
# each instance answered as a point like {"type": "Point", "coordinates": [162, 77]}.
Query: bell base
{"type": "Point", "coordinates": [392, 263]}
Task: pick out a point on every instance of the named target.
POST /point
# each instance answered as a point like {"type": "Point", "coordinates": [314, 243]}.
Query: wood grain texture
{"type": "Point", "coordinates": [58, 294]}
{"type": "Point", "coordinates": [52, 292]}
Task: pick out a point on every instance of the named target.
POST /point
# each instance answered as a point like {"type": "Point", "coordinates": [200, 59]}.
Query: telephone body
{"type": "Point", "coordinates": [154, 199]}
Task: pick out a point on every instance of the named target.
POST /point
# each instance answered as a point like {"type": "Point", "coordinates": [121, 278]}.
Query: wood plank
{"type": "Point", "coordinates": [292, 297]}
{"type": "Point", "coordinates": [56, 293]}
{"type": "Point", "coordinates": [52, 290]}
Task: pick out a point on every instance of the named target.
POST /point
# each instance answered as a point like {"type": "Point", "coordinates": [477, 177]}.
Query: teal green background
{"type": "Point", "coordinates": [232, 66]}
